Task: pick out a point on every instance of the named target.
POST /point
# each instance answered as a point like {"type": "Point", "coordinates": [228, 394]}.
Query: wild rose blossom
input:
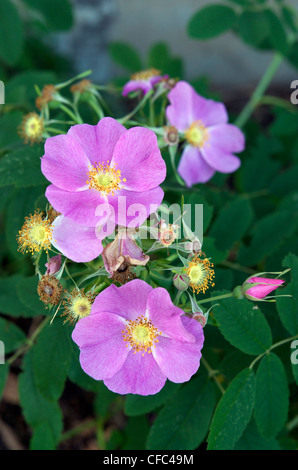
{"type": "Point", "coordinates": [260, 287]}
{"type": "Point", "coordinates": [143, 81]}
{"type": "Point", "coordinates": [135, 339]}
{"type": "Point", "coordinates": [104, 170]}
{"type": "Point", "coordinates": [210, 140]}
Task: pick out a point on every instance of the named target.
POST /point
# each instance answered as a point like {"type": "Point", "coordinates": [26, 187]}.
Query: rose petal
{"type": "Point", "coordinates": [219, 159]}
{"type": "Point", "coordinates": [139, 375]}
{"type": "Point", "coordinates": [227, 137]}
{"type": "Point", "coordinates": [102, 348]}
{"type": "Point", "coordinates": [193, 168]}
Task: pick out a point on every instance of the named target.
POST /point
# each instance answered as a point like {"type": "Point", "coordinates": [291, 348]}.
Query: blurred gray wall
{"type": "Point", "coordinates": [226, 60]}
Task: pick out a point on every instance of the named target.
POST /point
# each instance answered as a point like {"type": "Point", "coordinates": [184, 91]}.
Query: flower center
{"type": "Point", "coordinates": [200, 274]}
{"type": "Point", "coordinates": [140, 334]}
{"type": "Point", "coordinates": [145, 74]}
{"type": "Point", "coordinates": [104, 178]}
{"type": "Point", "coordinates": [31, 128]}
{"type": "Point", "coordinates": [81, 307]}
{"type": "Point", "coordinates": [36, 234]}
{"type": "Point", "coordinates": [196, 134]}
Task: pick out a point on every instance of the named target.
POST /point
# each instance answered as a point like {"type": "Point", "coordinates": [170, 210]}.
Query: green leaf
{"type": "Point", "coordinates": [27, 294]}
{"type": "Point", "coordinates": [233, 412]}
{"type": "Point", "coordinates": [253, 27]}
{"type": "Point", "coordinates": [267, 236]}
{"type": "Point", "coordinates": [272, 396]}
{"type": "Point", "coordinates": [278, 36]}
{"type": "Point", "coordinates": [243, 325]}
{"type": "Point", "coordinates": [138, 405]}
{"type": "Point", "coordinates": [51, 359]}
{"type": "Point", "coordinates": [211, 21]}
{"type": "Point", "coordinates": [251, 439]}
{"type": "Point", "coordinates": [4, 369]}
{"type": "Point", "coordinates": [11, 335]}
{"type": "Point", "coordinates": [9, 302]}
{"type": "Point", "coordinates": [225, 230]}
{"type": "Point", "coordinates": [158, 56]}
{"type": "Point", "coordinates": [184, 421]}
{"type": "Point", "coordinates": [287, 307]}
{"type": "Point", "coordinates": [57, 14]}
{"type": "Point", "coordinates": [22, 167]}
{"type": "Point", "coordinates": [11, 33]}
{"type": "Point", "coordinates": [126, 56]}
{"type": "Point", "coordinates": [37, 410]}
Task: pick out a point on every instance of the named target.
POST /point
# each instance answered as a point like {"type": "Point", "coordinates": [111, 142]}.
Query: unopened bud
{"type": "Point", "coordinates": [181, 281]}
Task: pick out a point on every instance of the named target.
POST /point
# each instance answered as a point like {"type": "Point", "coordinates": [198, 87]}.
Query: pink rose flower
{"type": "Point", "coordinates": [263, 286]}
{"type": "Point", "coordinates": [143, 81]}
{"type": "Point", "coordinates": [95, 170]}
{"type": "Point", "coordinates": [210, 140]}
{"type": "Point", "coordinates": [135, 339]}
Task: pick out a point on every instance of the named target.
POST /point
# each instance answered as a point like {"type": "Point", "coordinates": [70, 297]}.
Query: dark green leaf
{"type": "Point", "coordinates": [57, 14]}
{"type": "Point", "coordinates": [287, 307]}
{"type": "Point", "coordinates": [184, 421]}
{"type": "Point", "coordinates": [126, 56]}
{"type": "Point", "coordinates": [9, 301]}
{"type": "Point", "coordinates": [243, 325]}
{"type": "Point", "coordinates": [27, 294]}
{"type": "Point", "coordinates": [137, 404]}
{"type": "Point", "coordinates": [278, 36]}
{"type": "Point", "coordinates": [11, 33]}
{"type": "Point", "coordinates": [233, 412]}
{"type": "Point", "coordinates": [251, 439]}
{"type": "Point", "coordinates": [39, 412]}
{"type": "Point", "coordinates": [231, 223]}
{"type": "Point", "coordinates": [253, 27]}
{"type": "Point", "coordinates": [11, 335]}
{"type": "Point", "coordinates": [51, 359]}
{"type": "Point", "coordinates": [211, 21]}
{"type": "Point", "coordinates": [272, 396]}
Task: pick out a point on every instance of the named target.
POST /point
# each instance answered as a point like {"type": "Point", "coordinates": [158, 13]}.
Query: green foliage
{"type": "Point", "coordinates": [211, 21]}
{"type": "Point", "coordinates": [11, 33]}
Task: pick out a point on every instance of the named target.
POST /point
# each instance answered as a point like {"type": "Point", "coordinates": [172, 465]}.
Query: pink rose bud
{"type": "Point", "coordinates": [181, 281]}
{"type": "Point", "coordinates": [256, 288]}
{"type": "Point", "coordinates": [53, 265]}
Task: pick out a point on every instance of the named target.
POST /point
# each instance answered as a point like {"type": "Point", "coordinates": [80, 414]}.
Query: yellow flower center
{"type": "Point", "coordinates": [104, 178]}
{"type": "Point", "coordinates": [31, 128]}
{"type": "Point", "coordinates": [200, 274]}
{"type": "Point", "coordinates": [35, 235]}
{"type": "Point", "coordinates": [196, 134]}
{"type": "Point", "coordinates": [145, 74]}
{"type": "Point", "coordinates": [81, 307]}
{"type": "Point", "coordinates": [78, 305]}
{"type": "Point", "coordinates": [140, 334]}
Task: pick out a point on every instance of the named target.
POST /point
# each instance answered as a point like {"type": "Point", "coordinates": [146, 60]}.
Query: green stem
{"type": "Point", "coordinates": [136, 109]}
{"type": "Point", "coordinates": [217, 297]}
{"type": "Point", "coordinates": [276, 345]}
{"type": "Point", "coordinates": [29, 341]}
{"type": "Point", "coordinates": [259, 91]}
{"type": "Point", "coordinates": [212, 374]}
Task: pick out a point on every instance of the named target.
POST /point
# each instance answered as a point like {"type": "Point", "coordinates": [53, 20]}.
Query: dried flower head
{"type": "Point", "coordinates": [167, 233]}
{"type": "Point", "coordinates": [31, 128]}
{"type": "Point", "coordinates": [47, 95]}
{"type": "Point", "coordinates": [81, 87]}
{"type": "Point", "coordinates": [36, 234]}
{"type": "Point", "coordinates": [49, 290]}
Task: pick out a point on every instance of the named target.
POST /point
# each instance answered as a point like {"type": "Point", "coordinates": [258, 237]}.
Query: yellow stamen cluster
{"type": "Point", "coordinates": [36, 234]}
{"type": "Point", "coordinates": [140, 334]}
{"type": "Point", "coordinates": [78, 305]}
{"type": "Point", "coordinates": [145, 74]}
{"type": "Point", "coordinates": [200, 274]}
{"type": "Point", "coordinates": [31, 128]}
{"type": "Point", "coordinates": [197, 134]}
{"type": "Point", "coordinates": [104, 178]}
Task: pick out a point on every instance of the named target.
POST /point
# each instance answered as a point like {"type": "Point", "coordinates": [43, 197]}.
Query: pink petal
{"type": "Point", "coordinates": [65, 164]}
{"type": "Point", "coordinates": [265, 286]}
{"type": "Point", "coordinates": [136, 85]}
{"type": "Point", "coordinates": [139, 375]}
{"type": "Point", "coordinates": [87, 208]}
{"type": "Point", "coordinates": [132, 208]}
{"type": "Point", "coordinates": [102, 348]}
{"type": "Point", "coordinates": [98, 141]}
{"type": "Point", "coordinates": [129, 301]}
{"type": "Point", "coordinates": [76, 242]}
{"type": "Point", "coordinates": [193, 168]}
{"type": "Point", "coordinates": [138, 157]}
{"type": "Point", "coordinates": [179, 360]}
{"type": "Point", "coordinates": [166, 317]}
{"type": "Point", "coordinates": [227, 137]}
{"type": "Point", "coordinates": [219, 159]}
